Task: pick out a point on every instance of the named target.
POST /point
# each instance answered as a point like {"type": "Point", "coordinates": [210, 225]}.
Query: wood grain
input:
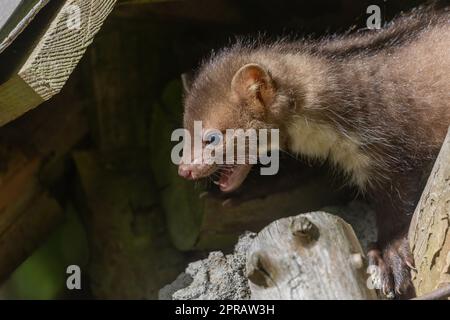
{"type": "Point", "coordinates": [310, 256]}
{"type": "Point", "coordinates": [429, 234]}
{"type": "Point", "coordinates": [59, 51]}
{"type": "Point", "coordinates": [54, 57]}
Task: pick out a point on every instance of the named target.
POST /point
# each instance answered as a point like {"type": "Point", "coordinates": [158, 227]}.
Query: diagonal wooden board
{"type": "Point", "coordinates": [54, 56]}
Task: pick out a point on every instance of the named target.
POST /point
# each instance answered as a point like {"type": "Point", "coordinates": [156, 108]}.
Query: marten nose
{"type": "Point", "coordinates": [184, 172]}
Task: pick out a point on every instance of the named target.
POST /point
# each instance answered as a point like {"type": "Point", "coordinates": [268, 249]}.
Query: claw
{"type": "Point", "coordinates": [390, 295]}
{"type": "Point", "coordinates": [409, 261]}
{"type": "Point", "coordinates": [410, 265]}
{"type": "Point", "coordinates": [394, 263]}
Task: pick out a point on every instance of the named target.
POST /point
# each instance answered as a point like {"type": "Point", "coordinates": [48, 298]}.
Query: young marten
{"type": "Point", "coordinates": [376, 105]}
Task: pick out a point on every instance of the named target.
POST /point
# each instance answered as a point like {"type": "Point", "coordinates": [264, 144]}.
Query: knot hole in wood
{"type": "Point", "coordinates": [304, 230]}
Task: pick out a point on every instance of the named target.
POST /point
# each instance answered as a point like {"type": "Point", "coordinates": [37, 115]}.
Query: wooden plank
{"type": "Point", "coordinates": [59, 51]}
{"type": "Point", "coordinates": [54, 57]}
{"type": "Point", "coordinates": [429, 234]}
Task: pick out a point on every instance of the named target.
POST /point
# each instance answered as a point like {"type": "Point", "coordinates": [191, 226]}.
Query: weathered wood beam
{"type": "Point", "coordinates": [47, 67]}
{"type": "Point", "coordinates": [429, 234]}
{"type": "Point", "coordinates": [309, 256]}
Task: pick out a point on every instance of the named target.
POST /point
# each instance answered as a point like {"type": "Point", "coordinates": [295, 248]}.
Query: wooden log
{"type": "Point", "coordinates": [429, 234]}
{"type": "Point", "coordinates": [44, 70]}
{"type": "Point", "coordinates": [310, 256]}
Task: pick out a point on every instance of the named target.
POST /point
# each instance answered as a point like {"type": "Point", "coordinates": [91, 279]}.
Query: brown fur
{"type": "Point", "coordinates": [384, 95]}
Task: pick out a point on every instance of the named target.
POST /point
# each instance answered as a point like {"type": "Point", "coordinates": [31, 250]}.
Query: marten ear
{"type": "Point", "coordinates": [254, 84]}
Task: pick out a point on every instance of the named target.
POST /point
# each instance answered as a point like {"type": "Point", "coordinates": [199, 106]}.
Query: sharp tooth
{"type": "Point", "coordinates": [216, 182]}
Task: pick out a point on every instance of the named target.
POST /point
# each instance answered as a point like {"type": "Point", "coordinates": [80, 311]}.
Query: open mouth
{"type": "Point", "coordinates": [232, 177]}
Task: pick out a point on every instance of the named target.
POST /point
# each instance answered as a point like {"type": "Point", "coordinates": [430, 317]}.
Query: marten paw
{"type": "Point", "coordinates": [391, 269]}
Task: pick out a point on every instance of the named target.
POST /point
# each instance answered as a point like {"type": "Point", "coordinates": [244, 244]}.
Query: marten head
{"type": "Point", "coordinates": [230, 92]}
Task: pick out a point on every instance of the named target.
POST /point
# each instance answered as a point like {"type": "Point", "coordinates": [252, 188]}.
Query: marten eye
{"type": "Point", "coordinates": [212, 138]}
